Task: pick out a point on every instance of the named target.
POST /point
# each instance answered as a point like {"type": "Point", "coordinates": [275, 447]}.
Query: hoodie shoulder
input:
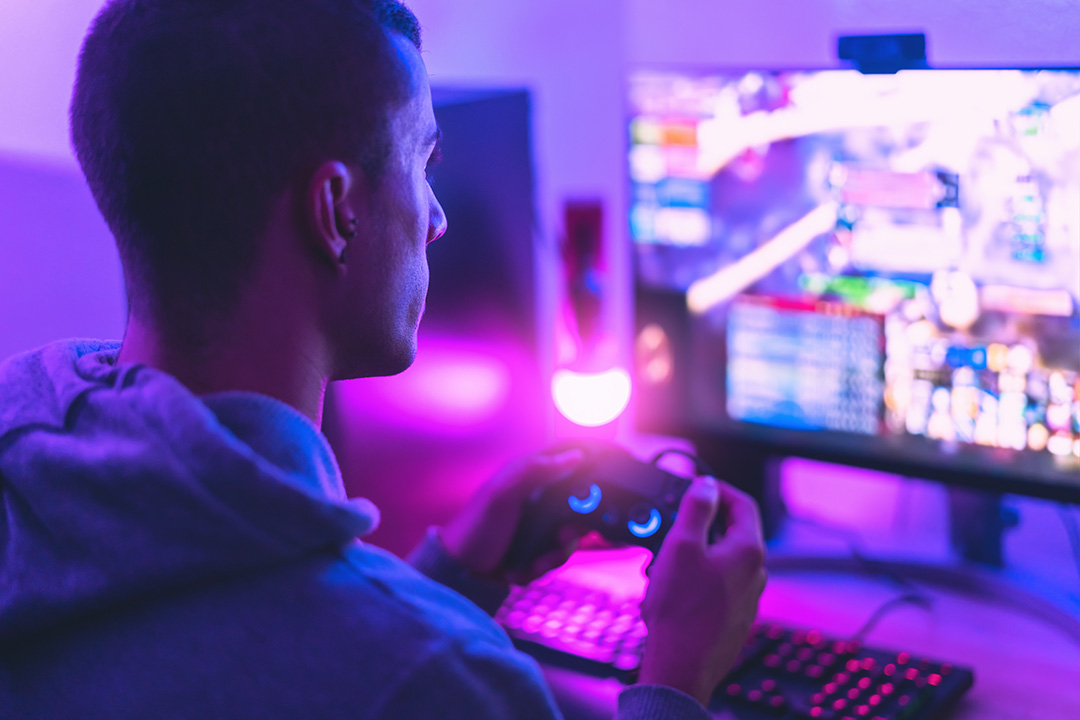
{"type": "Point", "coordinates": [37, 387]}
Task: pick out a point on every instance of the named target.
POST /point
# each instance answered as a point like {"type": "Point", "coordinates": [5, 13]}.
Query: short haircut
{"type": "Point", "coordinates": [191, 117]}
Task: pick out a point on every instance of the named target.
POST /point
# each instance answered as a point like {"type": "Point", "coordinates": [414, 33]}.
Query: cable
{"type": "Point", "coordinates": [919, 599]}
{"type": "Point", "coordinates": [866, 566]}
{"type": "Point", "coordinates": [701, 467]}
{"type": "Point", "coordinates": [854, 546]}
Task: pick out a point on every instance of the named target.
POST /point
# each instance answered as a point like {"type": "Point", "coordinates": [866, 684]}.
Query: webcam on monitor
{"type": "Point", "coordinates": [883, 54]}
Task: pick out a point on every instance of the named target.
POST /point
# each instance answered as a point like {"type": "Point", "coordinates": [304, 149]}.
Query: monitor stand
{"type": "Point", "coordinates": [977, 519]}
{"type": "Point", "coordinates": [977, 523]}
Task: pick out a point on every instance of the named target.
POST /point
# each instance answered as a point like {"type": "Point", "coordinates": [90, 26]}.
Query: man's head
{"type": "Point", "coordinates": [206, 127]}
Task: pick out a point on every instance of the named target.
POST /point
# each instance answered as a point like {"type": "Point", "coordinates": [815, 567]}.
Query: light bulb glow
{"type": "Point", "coordinates": [591, 399]}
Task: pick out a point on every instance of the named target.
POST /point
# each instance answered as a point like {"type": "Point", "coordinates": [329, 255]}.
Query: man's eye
{"type": "Point", "coordinates": [433, 160]}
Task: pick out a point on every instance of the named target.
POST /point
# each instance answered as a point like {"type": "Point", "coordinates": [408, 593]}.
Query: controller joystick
{"type": "Point", "coordinates": [626, 500]}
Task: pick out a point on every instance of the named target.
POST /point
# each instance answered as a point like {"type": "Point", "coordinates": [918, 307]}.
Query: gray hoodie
{"type": "Point", "coordinates": [170, 556]}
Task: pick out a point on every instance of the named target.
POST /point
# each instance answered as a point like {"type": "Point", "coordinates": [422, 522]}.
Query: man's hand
{"type": "Point", "coordinates": [703, 597]}
{"type": "Point", "coordinates": [479, 537]}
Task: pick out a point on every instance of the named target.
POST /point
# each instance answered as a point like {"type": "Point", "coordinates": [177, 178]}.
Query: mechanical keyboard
{"type": "Point", "coordinates": [781, 672]}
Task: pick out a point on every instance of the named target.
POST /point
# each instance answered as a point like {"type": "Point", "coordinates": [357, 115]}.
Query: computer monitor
{"type": "Point", "coordinates": [881, 270]}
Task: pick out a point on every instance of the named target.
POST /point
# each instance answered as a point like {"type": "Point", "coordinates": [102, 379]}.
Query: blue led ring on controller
{"type": "Point", "coordinates": [586, 506]}
{"type": "Point", "coordinates": [648, 529]}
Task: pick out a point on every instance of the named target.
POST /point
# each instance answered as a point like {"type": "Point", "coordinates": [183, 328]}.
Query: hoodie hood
{"type": "Point", "coordinates": [117, 483]}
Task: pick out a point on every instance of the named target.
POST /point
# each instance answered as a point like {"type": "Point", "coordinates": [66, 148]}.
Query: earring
{"type": "Point", "coordinates": [351, 232]}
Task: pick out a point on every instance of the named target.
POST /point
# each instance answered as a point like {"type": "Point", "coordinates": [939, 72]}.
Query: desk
{"type": "Point", "coordinates": [1024, 669]}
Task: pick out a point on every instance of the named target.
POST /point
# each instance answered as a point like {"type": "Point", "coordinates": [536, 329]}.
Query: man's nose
{"type": "Point", "coordinates": [437, 223]}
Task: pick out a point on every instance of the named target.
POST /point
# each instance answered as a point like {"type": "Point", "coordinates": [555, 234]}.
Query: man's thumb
{"type": "Point", "coordinates": [697, 510]}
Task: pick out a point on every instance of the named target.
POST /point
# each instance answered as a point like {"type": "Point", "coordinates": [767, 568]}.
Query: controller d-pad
{"type": "Point", "coordinates": [586, 505]}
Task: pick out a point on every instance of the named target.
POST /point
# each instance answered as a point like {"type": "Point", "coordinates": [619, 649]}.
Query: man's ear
{"type": "Point", "coordinates": [329, 213]}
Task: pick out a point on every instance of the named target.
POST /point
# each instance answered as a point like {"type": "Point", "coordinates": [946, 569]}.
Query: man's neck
{"type": "Point", "coordinates": [273, 360]}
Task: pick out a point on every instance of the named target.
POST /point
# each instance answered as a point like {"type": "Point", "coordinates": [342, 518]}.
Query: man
{"type": "Point", "coordinates": [176, 540]}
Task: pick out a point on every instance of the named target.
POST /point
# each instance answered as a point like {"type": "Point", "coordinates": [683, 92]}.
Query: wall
{"type": "Point", "coordinates": [39, 43]}
{"type": "Point", "coordinates": [59, 275]}
{"type": "Point", "coordinates": [802, 32]}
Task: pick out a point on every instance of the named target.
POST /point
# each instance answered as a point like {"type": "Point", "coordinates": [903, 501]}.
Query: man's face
{"type": "Point", "coordinates": [387, 263]}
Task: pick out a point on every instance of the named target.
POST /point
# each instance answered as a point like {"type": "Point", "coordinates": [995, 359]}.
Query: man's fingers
{"type": "Point", "coordinates": [741, 515]}
{"type": "Point", "coordinates": [742, 544]}
{"type": "Point", "coordinates": [697, 510]}
{"type": "Point", "coordinates": [520, 479]}
{"type": "Point", "coordinates": [541, 469]}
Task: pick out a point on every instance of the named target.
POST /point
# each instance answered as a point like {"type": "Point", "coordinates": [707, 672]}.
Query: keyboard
{"type": "Point", "coordinates": [782, 672]}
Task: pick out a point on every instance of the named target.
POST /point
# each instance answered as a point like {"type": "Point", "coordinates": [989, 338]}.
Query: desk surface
{"type": "Point", "coordinates": [1024, 668]}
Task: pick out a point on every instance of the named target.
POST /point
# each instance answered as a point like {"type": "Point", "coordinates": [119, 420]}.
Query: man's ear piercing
{"type": "Point", "coordinates": [351, 232]}
{"type": "Point", "coordinates": [351, 224]}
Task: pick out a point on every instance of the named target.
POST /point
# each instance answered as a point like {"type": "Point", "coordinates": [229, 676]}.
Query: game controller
{"type": "Point", "coordinates": [626, 500]}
